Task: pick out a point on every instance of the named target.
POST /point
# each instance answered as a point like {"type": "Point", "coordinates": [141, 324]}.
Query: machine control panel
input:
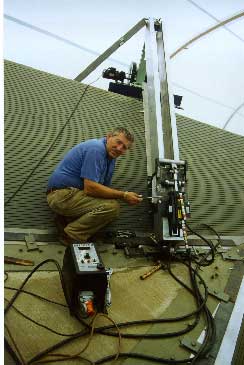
{"type": "Point", "coordinates": [86, 257]}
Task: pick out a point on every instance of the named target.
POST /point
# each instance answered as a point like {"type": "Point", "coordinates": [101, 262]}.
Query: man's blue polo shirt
{"type": "Point", "coordinates": [87, 160]}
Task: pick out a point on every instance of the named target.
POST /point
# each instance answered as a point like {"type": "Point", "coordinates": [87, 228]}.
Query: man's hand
{"type": "Point", "coordinates": [96, 190]}
{"type": "Point", "coordinates": [132, 198]}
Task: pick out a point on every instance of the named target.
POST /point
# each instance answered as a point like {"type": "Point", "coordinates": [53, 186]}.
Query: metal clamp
{"type": "Point", "coordinates": [31, 243]}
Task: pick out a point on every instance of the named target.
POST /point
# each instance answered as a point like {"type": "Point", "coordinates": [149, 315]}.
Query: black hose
{"type": "Point", "coordinates": [27, 279]}
{"type": "Point", "coordinates": [201, 306]}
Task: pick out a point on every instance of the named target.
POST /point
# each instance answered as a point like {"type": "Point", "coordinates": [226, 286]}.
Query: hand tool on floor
{"type": "Point", "coordinates": [152, 271]}
{"type": "Point", "coordinates": [17, 261]}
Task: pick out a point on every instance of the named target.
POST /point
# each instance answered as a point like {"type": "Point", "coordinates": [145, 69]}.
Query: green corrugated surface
{"type": "Point", "coordinates": [38, 104]}
{"type": "Point", "coordinates": [216, 175]}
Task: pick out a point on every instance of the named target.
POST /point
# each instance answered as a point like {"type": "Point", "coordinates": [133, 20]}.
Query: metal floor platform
{"type": "Point", "coordinates": [159, 296]}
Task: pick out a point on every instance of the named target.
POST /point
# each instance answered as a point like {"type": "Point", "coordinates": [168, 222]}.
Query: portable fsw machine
{"type": "Point", "coordinates": [85, 280]}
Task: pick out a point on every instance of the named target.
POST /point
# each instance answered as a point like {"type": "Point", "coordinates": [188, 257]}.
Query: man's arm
{"type": "Point", "coordinates": [97, 190]}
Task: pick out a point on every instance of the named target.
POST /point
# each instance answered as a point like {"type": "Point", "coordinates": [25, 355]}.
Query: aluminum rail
{"type": "Point", "coordinates": [90, 68]}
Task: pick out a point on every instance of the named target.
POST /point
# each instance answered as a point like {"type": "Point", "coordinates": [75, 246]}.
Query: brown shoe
{"type": "Point", "coordinates": [60, 223]}
{"type": "Point", "coordinates": [65, 240]}
{"type": "Point", "coordinates": [98, 237]}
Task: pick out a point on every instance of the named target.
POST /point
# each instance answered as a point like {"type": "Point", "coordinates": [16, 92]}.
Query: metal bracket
{"type": "Point", "coordinates": [218, 294]}
{"type": "Point", "coordinates": [232, 256]}
{"type": "Point", "coordinates": [200, 250]}
{"type": "Point", "coordinates": [31, 243]}
{"type": "Point", "coordinates": [221, 250]}
{"type": "Point", "coordinates": [191, 345]}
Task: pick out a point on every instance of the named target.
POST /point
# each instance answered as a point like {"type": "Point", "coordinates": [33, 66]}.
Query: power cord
{"type": "Point", "coordinates": [201, 306]}
{"type": "Point", "coordinates": [134, 355]}
{"type": "Point", "coordinates": [88, 327]}
{"type": "Point", "coordinates": [204, 261]}
{"type": "Point", "coordinates": [36, 295]}
{"type": "Point", "coordinates": [27, 279]}
{"type": "Point", "coordinates": [6, 276]}
{"type": "Point", "coordinates": [21, 359]}
{"type": "Point", "coordinates": [40, 324]}
{"type": "Point", "coordinates": [10, 302]}
{"type": "Point", "coordinates": [60, 357]}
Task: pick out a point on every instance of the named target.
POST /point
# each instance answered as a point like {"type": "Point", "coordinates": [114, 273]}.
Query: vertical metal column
{"type": "Point", "coordinates": [162, 136]}
{"type": "Point", "coordinates": [161, 132]}
{"type": "Point", "coordinates": [170, 137]}
{"type": "Point", "coordinates": [153, 117]}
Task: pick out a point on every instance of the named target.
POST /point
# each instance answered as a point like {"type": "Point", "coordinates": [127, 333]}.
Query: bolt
{"type": "Point", "coordinates": [215, 292]}
{"type": "Point", "coordinates": [193, 343]}
{"type": "Point", "coordinates": [60, 251]}
{"type": "Point", "coordinates": [212, 276]}
{"type": "Point", "coordinates": [216, 267]}
{"type": "Point", "coordinates": [216, 274]}
{"type": "Point", "coordinates": [21, 250]}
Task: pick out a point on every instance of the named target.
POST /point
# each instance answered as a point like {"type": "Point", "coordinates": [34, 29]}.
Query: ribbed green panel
{"type": "Point", "coordinates": [38, 104]}
{"type": "Point", "coordinates": [215, 176]}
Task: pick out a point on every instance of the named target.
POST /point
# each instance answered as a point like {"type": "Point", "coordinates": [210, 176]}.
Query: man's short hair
{"type": "Point", "coordinates": [125, 131]}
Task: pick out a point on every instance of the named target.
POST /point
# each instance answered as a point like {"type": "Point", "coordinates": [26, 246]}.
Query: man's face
{"type": "Point", "coordinates": [117, 145]}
